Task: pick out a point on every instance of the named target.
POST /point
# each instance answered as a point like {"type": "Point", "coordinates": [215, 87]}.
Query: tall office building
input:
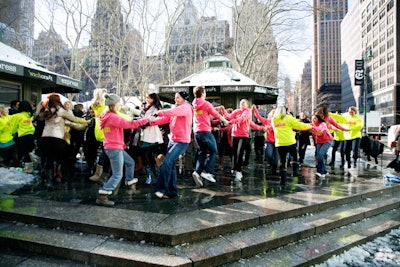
{"type": "Point", "coordinates": [17, 19]}
{"type": "Point", "coordinates": [375, 26]}
{"type": "Point", "coordinates": [193, 39]}
{"type": "Point", "coordinates": [327, 17]}
{"type": "Point", "coordinates": [105, 51]}
{"type": "Point", "coordinates": [305, 96]}
{"type": "Point", "coordinates": [351, 51]}
{"type": "Point", "coordinates": [51, 50]}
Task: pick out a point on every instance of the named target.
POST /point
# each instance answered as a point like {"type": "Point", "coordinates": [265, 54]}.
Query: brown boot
{"type": "Point", "coordinates": [131, 186]}
{"type": "Point", "coordinates": [102, 200]}
{"type": "Point", "coordinates": [95, 177]}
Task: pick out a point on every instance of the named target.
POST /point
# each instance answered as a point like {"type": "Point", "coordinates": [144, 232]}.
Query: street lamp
{"type": "Point", "coordinates": [367, 55]}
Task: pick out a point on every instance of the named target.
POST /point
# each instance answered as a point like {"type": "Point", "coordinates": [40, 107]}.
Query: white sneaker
{"type": "Point", "coordinates": [319, 174]}
{"type": "Point", "coordinates": [208, 176]}
{"type": "Point", "coordinates": [238, 176]}
{"type": "Point", "coordinates": [197, 179]}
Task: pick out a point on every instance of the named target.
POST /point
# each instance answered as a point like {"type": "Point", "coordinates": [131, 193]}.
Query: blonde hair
{"type": "Point", "coordinates": [98, 97]}
{"type": "Point", "coordinates": [353, 108]}
{"type": "Point", "coordinates": [2, 107]}
{"type": "Point", "coordinates": [281, 110]}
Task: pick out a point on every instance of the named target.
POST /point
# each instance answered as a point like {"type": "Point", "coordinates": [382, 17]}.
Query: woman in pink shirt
{"type": "Point", "coordinates": [113, 126]}
{"type": "Point", "coordinates": [323, 140]}
{"type": "Point", "coordinates": [241, 121]}
{"type": "Point", "coordinates": [203, 110]}
{"type": "Point", "coordinates": [180, 121]}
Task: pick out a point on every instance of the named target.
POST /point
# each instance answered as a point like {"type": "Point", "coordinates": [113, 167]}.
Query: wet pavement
{"type": "Point", "coordinates": [219, 220]}
{"type": "Point", "coordinates": [257, 183]}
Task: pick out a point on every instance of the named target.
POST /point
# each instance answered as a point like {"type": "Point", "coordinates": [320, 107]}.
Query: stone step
{"type": "Point", "coordinates": [173, 229]}
{"type": "Point", "coordinates": [370, 213]}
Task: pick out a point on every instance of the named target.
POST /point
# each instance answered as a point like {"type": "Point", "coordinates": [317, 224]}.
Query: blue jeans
{"type": "Point", "coordinates": [118, 159]}
{"type": "Point", "coordinates": [207, 145]}
{"type": "Point", "coordinates": [322, 150]}
{"type": "Point", "coordinates": [166, 182]}
{"type": "Point", "coordinates": [271, 154]}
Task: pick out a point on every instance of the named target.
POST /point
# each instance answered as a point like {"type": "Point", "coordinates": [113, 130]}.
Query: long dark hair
{"type": "Point", "coordinates": [319, 117]}
{"type": "Point", "coordinates": [25, 106]}
{"type": "Point", "coordinates": [51, 105]}
{"type": "Point", "coordinates": [156, 101]}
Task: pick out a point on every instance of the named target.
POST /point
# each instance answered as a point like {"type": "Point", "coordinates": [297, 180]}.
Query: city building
{"type": "Point", "coordinates": [305, 95]}
{"type": "Point", "coordinates": [378, 30]}
{"type": "Point", "coordinates": [351, 51]}
{"type": "Point", "coordinates": [192, 39]}
{"type": "Point", "coordinates": [326, 88]}
{"type": "Point", "coordinates": [52, 51]}
{"type": "Point", "coordinates": [18, 17]}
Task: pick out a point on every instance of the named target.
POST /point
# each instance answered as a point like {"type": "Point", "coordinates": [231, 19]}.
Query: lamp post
{"type": "Point", "coordinates": [366, 55]}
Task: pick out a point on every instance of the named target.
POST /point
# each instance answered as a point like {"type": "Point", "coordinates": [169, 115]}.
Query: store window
{"type": "Point", "coordinates": [9, 91]}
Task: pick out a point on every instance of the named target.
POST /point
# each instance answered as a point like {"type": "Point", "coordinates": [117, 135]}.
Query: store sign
{"type": "Point", "coordinates": [69, 82]}
{"type": "Point", "coordinates": [35, 74]}
{"type": "Point", "coordinates": [226, 89]}
{"type": "Point", "coordinates": [359, 72]}
{"type": "Point", "coordinates": [11, 68]}
{"type": "Point", "coordinates": [173, 89]}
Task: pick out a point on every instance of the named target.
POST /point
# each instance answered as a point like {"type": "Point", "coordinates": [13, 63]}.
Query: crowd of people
{"type": "Point", "coordinates": [114, 143]}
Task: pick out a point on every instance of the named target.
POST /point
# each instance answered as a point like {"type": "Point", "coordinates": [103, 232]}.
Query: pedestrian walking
{"type": "Point", "coordinates": [54, 146]}
{"type": "Point", "coordinates": [353, 136]}
{"type": "Point", "coordinates": [271, 153]}
{"type": "Point", "coordinates": [151, 137]}
{"type": "Point", "coordinates": [207, 146]}
{"type": "Point", "coordinates": [241, 120]}
{"type": "Point", "coordinates": [24, 130]}
{"type": "Point", "coordinates": [113, 126]}
{"type": "Point", "coordinates": [180, 120]}
{"type": "Point", "coordinates": [285, 140]}
{"type": "Point", "coordinates": [323, 140]}
{"type": "Point", "coordinates": [8, 147]}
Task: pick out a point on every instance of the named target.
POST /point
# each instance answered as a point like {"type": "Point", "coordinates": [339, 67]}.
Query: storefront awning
{"type": "Point", "coordinates": [16, 65]}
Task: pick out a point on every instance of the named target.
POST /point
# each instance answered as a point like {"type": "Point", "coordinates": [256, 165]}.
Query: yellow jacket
{"type": "Point", "coordinates": [284, 129]}
{"type": "Point", "coordinates": [355, 124]}
{"type": "Point", "coordinates": [5, 130]}
{"type": "Point", "coordinates": [21, 123]}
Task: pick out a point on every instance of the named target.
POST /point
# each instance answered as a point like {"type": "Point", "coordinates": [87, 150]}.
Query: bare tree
{"type": "Point", "coordinates": [260, 30]}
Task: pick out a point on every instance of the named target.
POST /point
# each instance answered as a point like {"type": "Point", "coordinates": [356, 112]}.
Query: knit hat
{"type": "Point", "coordinates": [184, 95]}
{"type": "Point", "coordinates": [111, 99]}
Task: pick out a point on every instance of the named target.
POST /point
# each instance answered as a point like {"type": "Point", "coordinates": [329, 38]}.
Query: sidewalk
{"type": "Point", "coordinates": [258, 183]}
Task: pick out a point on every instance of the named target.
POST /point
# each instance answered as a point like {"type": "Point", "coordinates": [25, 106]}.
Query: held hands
{"type": "Point", "coordinates": [224, 121]}
{"type": "Point", "coordinates": [253, 107]}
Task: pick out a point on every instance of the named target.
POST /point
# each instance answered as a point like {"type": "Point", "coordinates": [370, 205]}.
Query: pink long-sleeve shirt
{"type": "Point", "coordinates": [202, 111]}
{"type": "Point", "coordinates": [180, 122]}
{"type": "Point", "coordinates": [270, 135]}
{"type": "Point", "coordinates": [321, 133]}
{"type": "Point", "coordinates": [241, 122]}
{"type": "Point", "coordinates": [113, 127]}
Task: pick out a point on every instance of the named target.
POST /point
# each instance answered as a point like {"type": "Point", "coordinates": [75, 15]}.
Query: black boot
{"type": "Point", "coordinates": [295, 167]}
{"type": "Point", "coordinates": [274, 169]}
{"type": "Point", "coordinates": [283, 175]}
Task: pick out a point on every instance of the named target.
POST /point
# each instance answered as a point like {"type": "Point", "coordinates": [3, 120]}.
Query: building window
{"type": "Point", "coordinates": [390, 43]}
{"type": "Point", "coordinates": [390, 81]}
{"type": "Point", "coordinates": [390, 5]}
{"type": "Point", "coordinates": [390, 55]}
{"type": "Point", "coordinates": [390, 30]}
{"type": "Point", "coordinates": [390, 68]}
